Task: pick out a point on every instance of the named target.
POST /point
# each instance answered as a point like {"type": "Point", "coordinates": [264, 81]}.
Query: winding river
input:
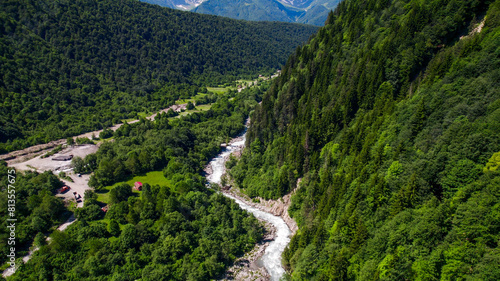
{"type": "Point", "coordinates": [272, 256]}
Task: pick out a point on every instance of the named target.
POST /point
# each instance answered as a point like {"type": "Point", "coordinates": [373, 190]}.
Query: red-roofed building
{"type": "Point", "coordinates": [138, 185]}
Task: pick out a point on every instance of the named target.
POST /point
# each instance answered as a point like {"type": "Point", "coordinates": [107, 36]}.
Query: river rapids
{"type": "Point", "coordinates": [271, 259]}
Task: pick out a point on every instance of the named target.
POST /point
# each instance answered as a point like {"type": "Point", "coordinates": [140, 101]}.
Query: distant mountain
{"type": "Point", "coordinates": [298, 3]}
{"type": "Point", "coordinates": [316, 15]}
{"type": "Point", "coordinates": [254, 10]}
{"type": "Point", "coordinates": [176, 4]}
{"type": "Point", "coordinates": [312, 12]}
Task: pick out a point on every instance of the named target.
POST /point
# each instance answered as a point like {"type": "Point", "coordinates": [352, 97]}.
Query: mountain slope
{"type": "Point", "coordinates": [254, 10]}
{"type": "Point", "coordinates": [315, 16]}
{"type": "Point", "coordinates": [298, 3]}
{"type": "Point", "coordinates": [312, 12]}
{"type": "Point", "coordinates": [75, 66]}
{"type": "Point", "coordinates": [390, 116]}
{"type": "Point", "coordinates": [176, 4]}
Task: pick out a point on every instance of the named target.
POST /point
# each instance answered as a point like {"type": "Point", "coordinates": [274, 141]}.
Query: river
{"type": "Point", "coordinates": [272, 255]}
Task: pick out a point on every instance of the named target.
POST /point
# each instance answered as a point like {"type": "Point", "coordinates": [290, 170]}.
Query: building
{"type": "Point", "coordinates": [138, 185]}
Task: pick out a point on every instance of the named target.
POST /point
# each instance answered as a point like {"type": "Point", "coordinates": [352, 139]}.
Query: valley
{"type": "Point", "coordinates": [270, 258]}
{"type": "Point", "coordinates": [139, 142]}
{"type": "Point", "coordinates": [314, 12]}
{"type": "Point", "coordinates": [79, 183]}
{"type": "Point", "coordinates": [87, 83]}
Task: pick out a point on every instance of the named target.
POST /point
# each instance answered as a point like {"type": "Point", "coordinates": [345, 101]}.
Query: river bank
{"type": "Point", "coordinates": [278, 207]}
{"type": "Point", "coordinates": [247, 267]}
{"type": "Point", "coordinates": [264, 262]}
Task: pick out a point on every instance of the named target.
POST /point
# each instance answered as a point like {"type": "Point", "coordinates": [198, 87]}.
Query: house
{"type": "Point", "coordinates": [138, 185]}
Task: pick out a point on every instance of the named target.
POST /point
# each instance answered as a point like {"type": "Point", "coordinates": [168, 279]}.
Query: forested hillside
{"type": "Point", "coordinates": [73, 66]}
{"type": "Point", "coordinates": [390, 115]}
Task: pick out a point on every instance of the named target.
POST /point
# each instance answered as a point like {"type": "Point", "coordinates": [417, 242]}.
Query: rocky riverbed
{"type": "Point", "coordinates": [264, 262]}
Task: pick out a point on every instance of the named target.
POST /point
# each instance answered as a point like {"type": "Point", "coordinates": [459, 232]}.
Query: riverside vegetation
{"type": "Point", "coordinates": [177, 231]}
{"type": "Point", "coordinates": [391, 116]}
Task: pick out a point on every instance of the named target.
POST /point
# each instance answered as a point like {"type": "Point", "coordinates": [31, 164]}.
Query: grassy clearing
{"type": "Point", "coordinates": [183, 114]}
{"type": "Point", "coordinates": [199, 108]}
{"type": "Point", "coordinates": [183, 101]}
{"type": "Point", "coordinates": [203, 107]}
{"type": "Point", "coordinates": [143, 114]}
{"type": "Point", "coordinates": [192, 99]}
{"type": "Point", "coordinates": [244, 81]}
{"type": "Point", "coordinates": [100, 141]}
{"type": "Point", "coordinates": [128, 120]}
{"type": "Point", "coordinates": [217, 90]}
{"type": "Point", "coordinates": [152, 178]}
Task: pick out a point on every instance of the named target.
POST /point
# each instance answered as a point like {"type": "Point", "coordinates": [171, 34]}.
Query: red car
{"type": "Point", "coordinates": [64, 189]}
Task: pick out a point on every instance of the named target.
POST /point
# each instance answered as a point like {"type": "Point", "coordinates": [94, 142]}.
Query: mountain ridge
{"type": "Point", "coordinates": [390, 116]}
{"type": "Point", "coordinates": [185, 5]}
{"type": "Point", "coordinates": [312, 12]}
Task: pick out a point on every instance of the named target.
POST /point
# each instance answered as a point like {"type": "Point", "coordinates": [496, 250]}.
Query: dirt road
{"type": "Point", "coordinates": [40, 149]}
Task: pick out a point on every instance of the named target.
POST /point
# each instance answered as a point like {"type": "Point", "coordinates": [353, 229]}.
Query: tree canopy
{"type": "Point", "coordinates": [390, 116]}
{"type": "Point", "coordinates": [178, 230]}
{"type": "Point", "coordinates": [70, 67]}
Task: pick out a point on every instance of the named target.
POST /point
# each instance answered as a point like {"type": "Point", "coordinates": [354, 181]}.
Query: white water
{"type": "Point", "coordinates": [272, 256]}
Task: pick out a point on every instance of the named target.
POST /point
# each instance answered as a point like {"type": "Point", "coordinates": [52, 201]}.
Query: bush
{"type": "Point", "coordinates": [106, 133]}
{"type": "Point", "coordinates": [190, 106]}
{"type": "Point", "coordinates": [120, 193]}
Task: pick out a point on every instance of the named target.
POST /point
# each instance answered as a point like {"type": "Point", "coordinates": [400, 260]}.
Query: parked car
{"type": "Point", "coordinates": [63, 189]}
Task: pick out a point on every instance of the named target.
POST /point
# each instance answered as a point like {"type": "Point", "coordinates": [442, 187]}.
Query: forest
{"type": "Point", "coordinates": [181, 230]}
{"type": "Point", "coordinates": [69, 67]}
{"type": "Point", "coordinates": [37, 210]}
{"type": "Point", "coordinates": [390, 116]}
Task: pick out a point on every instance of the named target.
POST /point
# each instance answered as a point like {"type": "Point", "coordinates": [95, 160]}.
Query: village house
{"type": "Point", "coordinates": [138, 185]}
